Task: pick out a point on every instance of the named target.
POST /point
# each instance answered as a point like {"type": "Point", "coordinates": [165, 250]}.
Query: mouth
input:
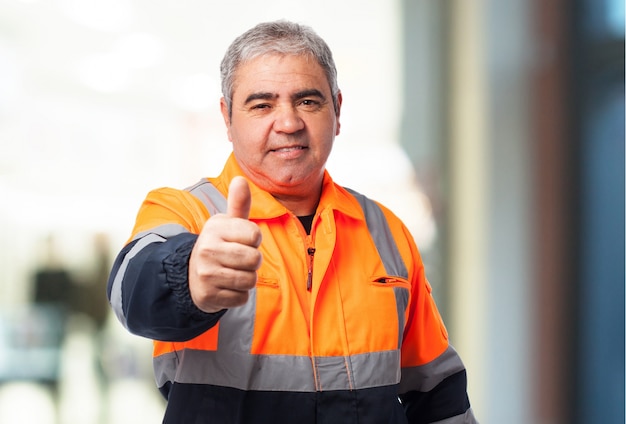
{"type": "Point", "coordinates": [288, 149]}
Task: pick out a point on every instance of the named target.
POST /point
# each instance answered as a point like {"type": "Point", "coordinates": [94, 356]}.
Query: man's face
{"type": "Point", "coordinates": [283, 122]}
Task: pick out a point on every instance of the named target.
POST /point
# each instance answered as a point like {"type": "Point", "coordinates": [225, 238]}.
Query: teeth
{"type": "Point", "coordinates": [289, 149]}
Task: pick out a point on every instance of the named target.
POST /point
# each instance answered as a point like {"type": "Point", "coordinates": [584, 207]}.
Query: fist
{"type": "Point", "coordinates": [226, 256]}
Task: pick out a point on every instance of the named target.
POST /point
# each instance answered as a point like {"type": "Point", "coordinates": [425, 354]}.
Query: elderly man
{"type": "Point", "coordinates": [273, 294]}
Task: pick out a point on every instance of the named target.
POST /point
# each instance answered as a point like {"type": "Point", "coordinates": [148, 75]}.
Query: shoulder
{"type": "Point", "coordinates": [169, 197]}
{"type": "Point", "coordinates": [375, 210]}
{"type": "Point", "coordinates": [380, 218]}
{"type": "Point", "coordinates": [167, 205]}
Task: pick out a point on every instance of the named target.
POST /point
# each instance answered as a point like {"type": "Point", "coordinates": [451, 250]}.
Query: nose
{"type": "Point", "coordinates": [287, 120]}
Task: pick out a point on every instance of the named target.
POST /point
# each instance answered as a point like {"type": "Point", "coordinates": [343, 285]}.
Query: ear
{"type": "Point", "coordinates": [339, 101]}
{"type": "Point", "coordinates": [226, 116]}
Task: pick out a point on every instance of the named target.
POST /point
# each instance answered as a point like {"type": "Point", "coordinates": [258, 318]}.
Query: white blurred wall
{"type": "Point", "coordinates": [102, 101]}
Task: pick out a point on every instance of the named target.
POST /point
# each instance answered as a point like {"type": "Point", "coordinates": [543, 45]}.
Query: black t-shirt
{"type": "Point", "coordinates": [307, 221]}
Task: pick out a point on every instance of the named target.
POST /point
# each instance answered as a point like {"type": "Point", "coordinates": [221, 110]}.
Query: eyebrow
{"type": "Point", "coordinates": [260, 96]}
{"type": "Point", "coordinates": [313, 92]}
{"type": "Point", "coordinates": [296, 96]}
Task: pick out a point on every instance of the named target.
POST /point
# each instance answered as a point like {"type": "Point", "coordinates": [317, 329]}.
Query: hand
{"type": "Point", "coordinates": [225, 258]}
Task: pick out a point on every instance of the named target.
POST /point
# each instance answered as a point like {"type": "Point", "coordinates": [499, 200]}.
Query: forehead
{"type": "Point", "coordinates": [275, 73]}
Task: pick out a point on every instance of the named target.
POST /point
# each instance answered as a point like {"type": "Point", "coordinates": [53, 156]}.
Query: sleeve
{"type": "Point", "coordinates": [433, 384]}
{"type": "Point", "coordinates": [148, 284]}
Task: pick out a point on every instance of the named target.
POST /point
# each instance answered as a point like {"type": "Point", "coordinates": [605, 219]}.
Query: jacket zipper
{"type": "Point", "coordinates": [309, 278]}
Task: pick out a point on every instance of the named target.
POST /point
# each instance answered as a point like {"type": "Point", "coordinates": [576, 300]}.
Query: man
{"type": "Point", "coordinates": [293, 300]}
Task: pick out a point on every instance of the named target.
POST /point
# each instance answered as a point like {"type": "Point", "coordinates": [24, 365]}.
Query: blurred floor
{"type": "Point", "coordinates": [92, 388]}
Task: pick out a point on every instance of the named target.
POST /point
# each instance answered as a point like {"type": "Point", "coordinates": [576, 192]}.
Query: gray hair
{"type": "Point", "coordinates": [282, 38]}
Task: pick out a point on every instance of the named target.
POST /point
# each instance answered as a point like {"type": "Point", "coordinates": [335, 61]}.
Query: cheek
{"type": "Point", "coordinates": [328, 137]}
{"type": "Point", "coordinates": [249, 132]}
{"type": "Point", "coordinates": [247, 142]}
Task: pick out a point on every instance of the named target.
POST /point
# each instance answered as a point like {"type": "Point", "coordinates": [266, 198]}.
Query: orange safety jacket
{"type": "Point", "coordinates": [341, 327]}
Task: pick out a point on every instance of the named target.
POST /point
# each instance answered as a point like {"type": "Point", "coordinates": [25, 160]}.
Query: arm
{"type": "Point", "coordinates": [148, 285]}
{"type": "Point", "coordinates": [442, 394]}
{"type": "Point", "coordinates": [433, 385]}
{"type": "Point", "coordinates": [182, 269]}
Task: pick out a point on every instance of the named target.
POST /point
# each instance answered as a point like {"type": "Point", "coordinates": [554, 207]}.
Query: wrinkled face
{"type": "Point", "coordinates": [283, 122]}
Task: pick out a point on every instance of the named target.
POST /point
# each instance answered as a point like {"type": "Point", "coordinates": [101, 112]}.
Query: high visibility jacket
{"type": "Point", "coordinates": [340, 328]}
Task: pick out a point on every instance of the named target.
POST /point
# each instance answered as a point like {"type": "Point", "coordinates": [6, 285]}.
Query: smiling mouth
{"type": "Point", "coordinates": [289, 149]}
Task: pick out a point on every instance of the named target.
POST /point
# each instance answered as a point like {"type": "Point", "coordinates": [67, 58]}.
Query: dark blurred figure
{"type": "Point", "coordinates": [89, 297]}
{"type": "Point", "coordinates": [53, 284]}
{"type": "Point", "coordinates": [32, 335]}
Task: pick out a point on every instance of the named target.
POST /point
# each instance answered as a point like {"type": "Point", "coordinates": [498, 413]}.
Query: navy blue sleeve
{"type": "Point", "coordinates": [155, 298]}
{"type": "Point", "coordinates": [448, 399]}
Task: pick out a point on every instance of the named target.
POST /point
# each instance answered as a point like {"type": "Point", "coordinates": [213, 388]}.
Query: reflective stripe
{"type": "Point", "coordinates": [383, 239]}
{"type": "Point", "coordinates": [431, 374]}
{"type": "Point", "coordinates": [466, 418]}
{"type": "Point", "coordinates": [165, 231]}
{"type": "Point", "coordinates": [387, 250]}
{"type": "Point", "coordinates": [116, 288]}
{"type": "Point", "coordinates": [279, 372]}
{"type": "Point", "coordinates": [402, 300]}
{"type": "Point", "coordinates": [233, 366]}
{"type": "Point", "coordinates": [209, 195]}
{"type": "Point", "coordinates": [156, 235]}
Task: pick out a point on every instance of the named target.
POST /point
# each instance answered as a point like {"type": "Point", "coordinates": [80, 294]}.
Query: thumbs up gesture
{"type": "Point", "coordinates": [225, 258]}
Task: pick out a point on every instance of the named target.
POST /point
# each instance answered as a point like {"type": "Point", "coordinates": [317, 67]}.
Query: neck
{"type": "Point", "coordinates": [300, 206]}
{"type": "Point", "coordinates": [301, 199]}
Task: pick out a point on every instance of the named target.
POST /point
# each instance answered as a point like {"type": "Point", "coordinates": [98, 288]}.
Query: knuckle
{"type": "Point", "coordinates": [246, 281]}
{"type": "Point", "coordinates": [231, 299]}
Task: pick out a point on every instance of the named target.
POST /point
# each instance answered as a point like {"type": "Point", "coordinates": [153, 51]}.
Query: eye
{"type": "Point", "coordinates": [310, 104]}
{"type": "Point", "coordinates": [259, 109]}
{"type": "Point", "coordinates": [260, 106]}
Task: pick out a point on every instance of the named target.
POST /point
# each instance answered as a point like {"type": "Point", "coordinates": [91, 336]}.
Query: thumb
{"type": "Point", "coordinates": [239, 198]}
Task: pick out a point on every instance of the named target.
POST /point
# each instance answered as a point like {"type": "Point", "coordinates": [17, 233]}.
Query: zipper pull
{"type": "Point", "coordinates": [309, 277]}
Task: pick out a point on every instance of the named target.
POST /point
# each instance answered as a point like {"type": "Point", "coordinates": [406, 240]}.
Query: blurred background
{"type": "Point", "coordinates": [495, 129]}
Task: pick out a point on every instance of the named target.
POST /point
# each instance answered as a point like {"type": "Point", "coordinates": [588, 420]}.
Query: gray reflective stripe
{"type": "Point", "coordinates": [402, 300]}
{"type": "Point", "coordinates": [116, 288]}
{"type": "Point", "coordinates": [376, 369]}
{"type": "Point", "coordinates": [209, 195]}
{"type": "Point", "coordinates": [166, 231]}
{"type": "Point", "coordinates": [387, 250]}
{"type": "Point", "coordinates": [466, 418]}
{"type": "Point", "coordinates": [233, 366]}
{"type": "Point", "coordinates": [383, 239]}
{"type": "Point", "coordinates": [431, 374]}
{"type": "Point", "coordinates": [237, 326]}
{"type": "Point", "coordinates": [156, 235]}
{"type": "Point", "coordinates": [165, 366]}
{"type": "Point", "coordinates": [279, 372]}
